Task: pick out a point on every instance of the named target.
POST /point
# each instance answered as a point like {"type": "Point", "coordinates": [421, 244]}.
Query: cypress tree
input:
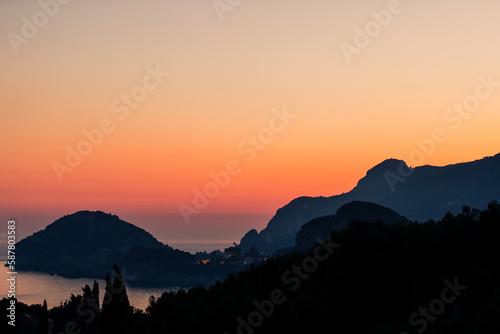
{"type": "Point", "coordinates": [116, 310]}
{"type": "Point", "coordinates": [43, 323]}
{"type": "Point", "coordinates": [95, 294]}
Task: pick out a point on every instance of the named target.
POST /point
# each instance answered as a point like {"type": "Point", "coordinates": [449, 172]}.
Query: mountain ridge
{"type": "Point", "coordinates": [428, 193]}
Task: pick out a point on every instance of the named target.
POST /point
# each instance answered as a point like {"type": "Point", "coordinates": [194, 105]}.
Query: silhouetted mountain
{"type": "Point", "coordinates": [428, 193]}
{"type": "Point", "coordinates": [82, 244]}
{"type": "Point", "coordinates": [361, 211]}
{"type": "Point", "coordinates": [87, 244]}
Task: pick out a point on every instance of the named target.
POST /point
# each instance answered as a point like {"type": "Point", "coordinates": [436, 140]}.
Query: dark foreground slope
{"type": "Point", "coordinates": [379, 279]}
{"type": "Point", "coordinates": [428, 193]}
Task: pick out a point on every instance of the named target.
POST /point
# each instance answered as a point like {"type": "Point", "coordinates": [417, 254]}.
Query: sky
{"type": "Point", "coordinates": [197, 120]}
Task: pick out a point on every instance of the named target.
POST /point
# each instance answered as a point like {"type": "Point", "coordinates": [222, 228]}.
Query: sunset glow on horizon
{"type": "Point", "coordinates": [133, 108]}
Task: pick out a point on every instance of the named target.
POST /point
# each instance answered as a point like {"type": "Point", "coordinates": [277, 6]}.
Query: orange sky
{"type": "Point", "coordinates": [226, 79]}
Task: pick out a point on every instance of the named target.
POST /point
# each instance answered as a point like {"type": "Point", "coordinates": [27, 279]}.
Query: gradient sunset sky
{"type": "Point", "coordinates": [228, 75]}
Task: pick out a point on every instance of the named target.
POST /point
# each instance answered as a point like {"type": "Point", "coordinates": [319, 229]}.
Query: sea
{"type": "Point", "coordinates": [34, 287]}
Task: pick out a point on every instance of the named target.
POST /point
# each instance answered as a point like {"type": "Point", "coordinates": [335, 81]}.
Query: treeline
{"type": "Point", "coordinates": [433, 277]}
{"type": "Point", "coordinates": [80, 314]}
{"type": "Point", "coordinates": [374, 282]}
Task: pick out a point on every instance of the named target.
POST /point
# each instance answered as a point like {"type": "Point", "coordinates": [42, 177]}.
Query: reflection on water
{"type": "Point", "coordinates": [33, 288]}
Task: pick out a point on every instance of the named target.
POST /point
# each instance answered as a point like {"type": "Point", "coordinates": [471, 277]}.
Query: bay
{"type": "Point", "coordinates": [34, 287]}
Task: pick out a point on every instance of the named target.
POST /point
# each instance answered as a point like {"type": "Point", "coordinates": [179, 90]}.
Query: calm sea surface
{"type": "Point", "coordinates": [33, 288]}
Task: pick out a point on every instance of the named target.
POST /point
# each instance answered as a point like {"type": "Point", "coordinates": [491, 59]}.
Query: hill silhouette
{"type": "Point", "coordinates": [82, 244]}
{"type": "Point", "coordinates": [88, 243]}
{"type": "Point", "coordinates": [354, 211]}
{"type": "Point", "coordinates": [428, 193]}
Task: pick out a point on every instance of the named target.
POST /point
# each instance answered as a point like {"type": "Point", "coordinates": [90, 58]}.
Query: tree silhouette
{"type": "Point", "coordinates": [87, 293]}
{"type": "Point", "coordinates": [116, 310]}
{"type": "Point", "coordinates": [95, 293]}
{"type": "Point", "coordinates": [43, 323]}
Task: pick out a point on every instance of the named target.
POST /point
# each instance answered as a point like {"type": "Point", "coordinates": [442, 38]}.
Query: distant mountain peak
{"type": "Point", "coordinates": [387, 165]}
{"type": "Point", "coordinates": [428, 192]}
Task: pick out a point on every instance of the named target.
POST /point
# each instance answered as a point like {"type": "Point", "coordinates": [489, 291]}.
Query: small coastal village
{"type": "Point", "coordinates": [231, 255]}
